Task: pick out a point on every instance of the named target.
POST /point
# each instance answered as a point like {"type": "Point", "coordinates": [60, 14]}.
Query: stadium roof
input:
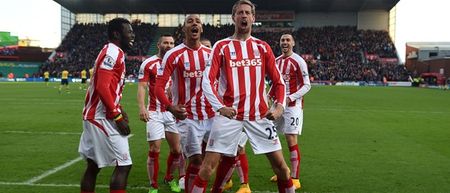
{"type": "Point", "coordinates": [220, 6]}
{"type": "Point", "coordinates": [430, 45]}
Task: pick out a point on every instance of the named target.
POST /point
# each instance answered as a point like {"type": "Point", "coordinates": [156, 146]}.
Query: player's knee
{"type": "Point", "coordinates": [175, 150]}
{"type": "Point", "coordinates": [282, 171]}
{"type": "Point", "coordinates": [154, 147]}
{"type": "Point", "coordinates": [208, 168]}
{"type": "Point", "coordinates": [241, 150]}
{"type": "Point", "coordinates": [124, 169]}
{"type": "Point", "coordinates": [195, 160]}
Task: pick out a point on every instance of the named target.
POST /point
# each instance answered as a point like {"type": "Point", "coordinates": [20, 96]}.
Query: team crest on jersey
{"type": "Point", "coordinates": [233, 53]}
{"type": "Point", "coordinates": [160, 71]}
{"type": "Point", "coordinates": [186, 65]}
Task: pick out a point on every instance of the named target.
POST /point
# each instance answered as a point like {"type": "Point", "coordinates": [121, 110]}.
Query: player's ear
{"type": "Point", "coordinates": [116, 35]}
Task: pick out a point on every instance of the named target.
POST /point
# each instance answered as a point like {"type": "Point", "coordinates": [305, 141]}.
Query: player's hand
{"type": "Point", "coordinates": [143, 115]}
{"type": "Point", "coordinates": [228, 112]}
{"type": "Point", "coordinates": [288, 100]}
{"type": "Point", "coordinates": [125, 116]}
{"type": "Point", "coordinates": [179, 111]}
{"type": "Point", "coordinates": [275, 112]}
{"type": "Point", "coordinates": [122, 126]}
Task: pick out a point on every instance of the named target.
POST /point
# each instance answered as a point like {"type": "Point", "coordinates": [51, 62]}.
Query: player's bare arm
{"type": "Point", "coordinates": [143, 112]}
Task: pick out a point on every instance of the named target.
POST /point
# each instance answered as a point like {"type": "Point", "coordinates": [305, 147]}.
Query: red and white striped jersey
{"type": "Point", "coordinates": [147, 73]}
{"type": "Point", "coordinates": [295, 74]}
{"type": "Point", "coordinates": [186, 67]}
{"type": "Point", "coordinates": [241, 67]}
{"type": "Point", "coordinates": [105, 89]}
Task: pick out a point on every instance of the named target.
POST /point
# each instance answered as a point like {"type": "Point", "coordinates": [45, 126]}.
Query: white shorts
{"type": "Point", "coordinates": [242, 139]}
{"type": "Point", "coordinates": [159, 123]}
{"type": "Point", "coordinates": [224, 137]}
{"type": "Point", "coordinates": [102, 143]}
{"type": "Point", "coordinates": [193, 133]}
{"type": "Point", "coordinates": [291, 122]}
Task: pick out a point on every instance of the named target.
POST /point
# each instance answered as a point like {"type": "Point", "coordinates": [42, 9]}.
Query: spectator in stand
{"type": "Point", "coordinates": [8, 51]}
{"type": "Point", "coordinates": [83, 42]}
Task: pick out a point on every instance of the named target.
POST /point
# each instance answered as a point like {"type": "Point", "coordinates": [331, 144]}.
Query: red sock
{"type": "Point", "coordinates": [117, 191]}
{"type": "Point", "coordinates": [191, 173]}
{"type": "Point", "coordinates": [295, 161]}
{"type": "Point", "coordinates": [199, 185]}
{"type": "Point", "coordinates": [285, 186]}
{"type": "Point", "coordinates": [173, 161]}
{"type": "Point", "coordinates": [153, 168]}
{"type": "Point", "coordinates": [242, 168]}
{"type": "Point", "coordinates": [223, 174]}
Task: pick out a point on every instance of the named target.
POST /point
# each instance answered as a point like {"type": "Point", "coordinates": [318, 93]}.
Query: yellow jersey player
{"type": "Point", "coordinates": [46, 77]}
{"type": "Point", "coordinates": [91, 74]}
{"type": "Point", "coordinates": [64, 81]}
{"type": "Point", "coordinates": [83, 75]}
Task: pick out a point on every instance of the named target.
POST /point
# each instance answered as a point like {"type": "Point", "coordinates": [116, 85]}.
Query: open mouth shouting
{"type": "Point", "coordinates": [244, 23]}
{"type": "Point", "coordinates": [131, 43]}
{"type": "Point", "coordinates": [194, 31]}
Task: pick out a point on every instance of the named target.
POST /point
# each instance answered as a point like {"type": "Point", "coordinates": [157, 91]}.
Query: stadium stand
{"type": "Point", "coordinates": [333, 53]}
{"type": "Point", "coordinates": [8, 51]}
{"type": "Point", "coordinates": [341, 54]}
{"type": "Point", "coordinates": [80, 47]}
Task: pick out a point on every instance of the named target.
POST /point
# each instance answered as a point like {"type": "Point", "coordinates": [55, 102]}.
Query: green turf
{"type": "Point", "coordinates": [355, 139]}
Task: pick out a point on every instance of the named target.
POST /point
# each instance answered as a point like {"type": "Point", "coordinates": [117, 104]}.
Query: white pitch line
{"type": "Point", "coordinates": [44, 132]}
{"type": "Point", "coordinates": [52, 171]}
{"type": "Point", "coordinates": [57, 169]}
{"type": "Point", "coordinates": [78, 185]}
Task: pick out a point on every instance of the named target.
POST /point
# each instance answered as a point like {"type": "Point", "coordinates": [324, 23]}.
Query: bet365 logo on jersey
{"type": "Point", "coordinates": [193, 74]}
{"type": "Point", "coordinates": [245, 62]}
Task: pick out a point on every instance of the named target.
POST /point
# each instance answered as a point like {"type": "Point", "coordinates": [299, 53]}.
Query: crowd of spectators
{"type": "Point", "coordinates": [82, 44]}
{"type": "Point", "coordinates": [377, 42]}
{"type": "Point", "coordinates": [372, 71]}
{"type": "Point", "coordinates": [338, 53]}
{"type": "Point", "coordinates": [8, 51]}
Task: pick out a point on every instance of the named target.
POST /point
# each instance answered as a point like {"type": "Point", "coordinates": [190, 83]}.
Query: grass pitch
{"type": "Point", "coordinates": [355, 139]}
